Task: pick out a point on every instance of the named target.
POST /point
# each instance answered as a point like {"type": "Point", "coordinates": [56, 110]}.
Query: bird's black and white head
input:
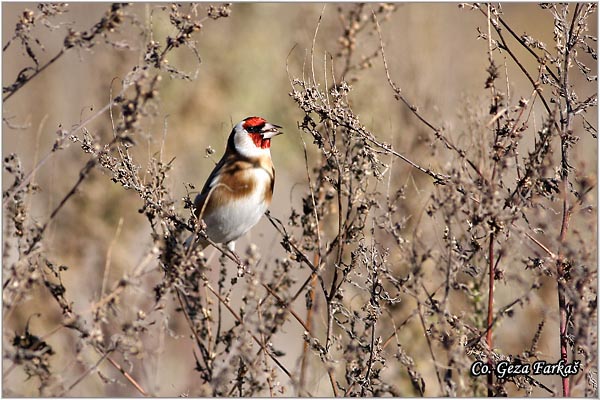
{"type": "Point", "coordinates": [251, 137]}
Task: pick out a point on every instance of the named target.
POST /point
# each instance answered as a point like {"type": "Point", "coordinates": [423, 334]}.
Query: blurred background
{"type": "Point", "coordinates": [247, 62]}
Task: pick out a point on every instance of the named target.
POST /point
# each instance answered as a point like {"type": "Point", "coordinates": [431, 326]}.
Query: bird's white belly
{"type": "Point", "coordinates": [229, 222]}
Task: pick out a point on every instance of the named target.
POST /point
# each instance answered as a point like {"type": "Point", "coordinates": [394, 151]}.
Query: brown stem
{"type": "Point", "coordinates": [370, 363]}
{"type": "Point", "coordinates": [306, 327]}
{"type": "Point", "coordinates": [309, 318]}
{"type": "Point", "coordinates": [562, 306]}
{"type": "Point", "coordinates": [313, 277]}
{"type": "Point", "coordinates": [39, 165]}
{"type": "Point", "coordinates": [539, 59]}
{"type": "Point", "coordinates": [82, 175]}
{"type": "Point", "coordinates": [128, 377]}
{"type": "Point", "coordinates": [203, 350]}
{"type": "Point", "coordinates": [84, 375]}
{"type": "Point", "coordinates": [562, 301]}
{"type": "Point", "coordinates": [439, 178]}
{"type": "Point", "coordinates": [505, 47]}
{"type": "Point", "coordinates": [490, 316]}
{"type": "Point", "coordinates": [36, 73]}
{"type": "Point", "coordinates": [431, 352]}
{"type": "Point", "coordinates": [264, 344]}
{"type": "Point", "coordinates": [564, 141]}
{"type": "Point", "coordinates": [253, 336]}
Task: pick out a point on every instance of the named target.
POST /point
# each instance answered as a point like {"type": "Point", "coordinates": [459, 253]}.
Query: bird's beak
{"type": "Point", "coordinates": [270, 130]}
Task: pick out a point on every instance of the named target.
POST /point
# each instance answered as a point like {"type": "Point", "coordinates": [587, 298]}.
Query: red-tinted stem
{"type": "Point", "coordinates": [490, 316]}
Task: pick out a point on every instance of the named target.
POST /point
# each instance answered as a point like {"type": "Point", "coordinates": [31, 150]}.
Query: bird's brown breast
{"type": "Point", "coordinates": [238, 179]}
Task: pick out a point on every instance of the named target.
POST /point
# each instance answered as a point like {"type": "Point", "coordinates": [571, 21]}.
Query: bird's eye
{"type": "Point", "coordinates": [254, 129]}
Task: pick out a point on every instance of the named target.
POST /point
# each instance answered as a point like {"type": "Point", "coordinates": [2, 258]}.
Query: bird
{"type": "Point", "coordinates": [239, 190]}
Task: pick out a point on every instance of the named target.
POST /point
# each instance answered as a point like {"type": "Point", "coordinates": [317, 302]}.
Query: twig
{"type": "Point", "coordinates": [518, 39]}
{"type": "Point", "coordinates": [205, 354]}
{"type": "Point", "coordinates": [374, 300]}
{"type": "Point", "coordinates": [36, 73]}
{"type": "Point", "coordinates": [309, 318]}
{"type": "Point", "coordinates": [128, 377]}
{"type": "Point", "coordinates": [297, 251]}
{"type": "Point", "coordinates": [73, 40]}
{"type": "Point", "coordinates": [430, 347]}
{"type": "Point", "coordinates": [566, 215]}
{"type": "Point", "coordinates": [541, 245]}
{"type": "Point", "coordinates": [306, 327]}
{"type": "Point", "coordinates": [82, 175]}
{"type": "Point", "coordinates": [41, 163]}
{"type": "Point", "coordinates": [439, 178]}
{"type": "Point", "coordinates": [313, 276]}
{"type": "Point", "coordinates": [285, 305]}
{"type": "Point", "coordinates": [109, 257]}
{"type": "Point", "coordinates": [84, 375]}
{"type": "Point", "coordinates": [264, 344]}
{"type": "Point", "coordinates": [490, 311]}
{"type": "Point", "coordinates": [505, 47]}
{"type": "Point", "coordinates": [252, 335]}
{"type": "Point", "coordinates": [490, 315]}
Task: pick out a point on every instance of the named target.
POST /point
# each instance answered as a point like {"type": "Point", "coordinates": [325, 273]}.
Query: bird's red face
{"type": "Point", "coordinates": [260, 131]}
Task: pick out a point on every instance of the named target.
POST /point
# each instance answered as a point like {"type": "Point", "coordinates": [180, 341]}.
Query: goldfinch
{"type": "Point", "coordinates": [240, 188]}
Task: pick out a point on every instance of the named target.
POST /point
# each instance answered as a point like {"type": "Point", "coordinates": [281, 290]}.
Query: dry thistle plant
{"type": "Point", "coordinates": [378, 285]}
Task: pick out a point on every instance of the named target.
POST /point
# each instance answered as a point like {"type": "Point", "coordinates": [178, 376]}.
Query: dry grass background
{"type": "Point", "coordinates": [247, 58]}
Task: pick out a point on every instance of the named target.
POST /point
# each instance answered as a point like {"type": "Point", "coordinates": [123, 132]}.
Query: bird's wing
{"type": "Point", "coordinates": [208, 185]}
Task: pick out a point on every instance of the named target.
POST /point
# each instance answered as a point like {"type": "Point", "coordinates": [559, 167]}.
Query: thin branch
{"type": "Point", "coordinates": [205, 353]}
{"type": "Point", "coordinates": [19, 84]}
{"type": "Point", "coordinates": [439, 178]}
{"type": "Point", "coordinates": [128, 377]}
{"type": "Point", "coordinates": [84, 375]}
{"type": "Point", "coordinates": [566, 215]}
{"type": "Point", "coordinates": [41, 163]}
{"type": "Point", "coordinates": [490, 315]}
{"type": "Point", "coordinates": [430, 347]}
{"type": "Point", "coordinates": [109, 257]}
{"type": "Point", "coordinates": [241, 321]}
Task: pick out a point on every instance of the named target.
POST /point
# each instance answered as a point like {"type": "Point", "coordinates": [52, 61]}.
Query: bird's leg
{"type": "Point", "coordinates": [241, 266]}
{"type": "Point", "coordinates": [231, 246]}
